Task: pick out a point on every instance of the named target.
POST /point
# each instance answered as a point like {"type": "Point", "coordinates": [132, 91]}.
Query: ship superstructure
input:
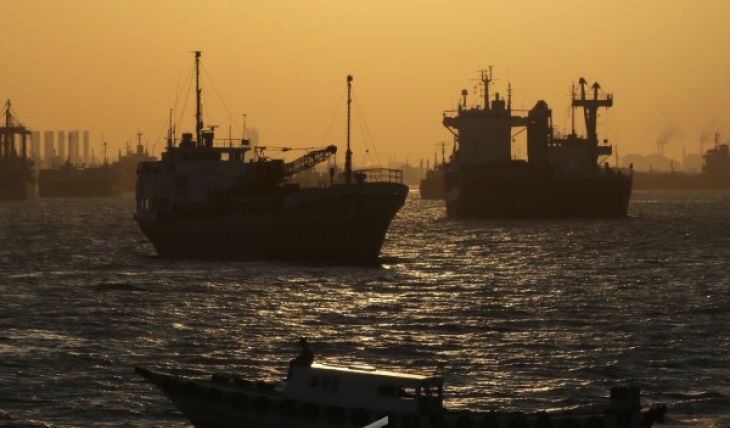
{"type": "Point", "coordinates": [17, 173]}
{"type": "Point", "coordinates": [203, 200]}
{"type": "Point", "coordinates": [716, 168]}
{"type": "Point", "coordinates": [125, 169]}
{"type": "Point", "coordinates": [560, 178]}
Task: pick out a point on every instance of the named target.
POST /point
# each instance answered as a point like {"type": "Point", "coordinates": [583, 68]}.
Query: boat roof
{"type": "Point", "coordinates": [372, 371]}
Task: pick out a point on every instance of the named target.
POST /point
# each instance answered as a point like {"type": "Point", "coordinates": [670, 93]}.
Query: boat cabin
{"type": "Point", "coordinates": [365, 386]}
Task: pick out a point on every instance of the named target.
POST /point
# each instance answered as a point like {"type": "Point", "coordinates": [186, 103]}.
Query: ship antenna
{"type": "Point", "coordinates": [139, 140]}
{"type": "Point", "coordinates": [245, 131]}
{"type": "Point", "coordinates": [8, 115]}
{"type": "Point", "coordinates": [198, 105]}
{"type": "Point", "coordinates": [572, 108]}
{"type": "Point", "coordinates": [170, 133]}
{"type": "Point", "coordinates": [509, 97]}
{"type": "Point", "coordinates": [348, 153]}
{"type": "Point", "coordinates": [486, 79]}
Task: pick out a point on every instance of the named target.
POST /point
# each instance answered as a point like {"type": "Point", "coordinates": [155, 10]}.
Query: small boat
{"type": "Point", "coordinates": [323, 395]}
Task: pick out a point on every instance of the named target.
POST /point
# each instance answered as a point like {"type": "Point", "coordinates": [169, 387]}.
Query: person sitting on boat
{"type": "Point", "coordinates": [305, 357]}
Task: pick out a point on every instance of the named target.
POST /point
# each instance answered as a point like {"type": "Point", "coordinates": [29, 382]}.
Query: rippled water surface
{"type": "Point", "coordinates": [526, 315]}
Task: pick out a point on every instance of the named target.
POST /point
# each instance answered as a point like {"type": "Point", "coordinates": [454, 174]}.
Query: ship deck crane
{"type": "Point", "coordinates": [309, 160]}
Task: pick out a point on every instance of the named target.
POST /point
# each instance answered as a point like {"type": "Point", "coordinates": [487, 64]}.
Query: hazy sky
{"type": "Point", "coordinates": [115, 67]}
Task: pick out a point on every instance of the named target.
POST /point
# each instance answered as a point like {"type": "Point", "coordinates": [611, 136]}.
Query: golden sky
{"type": "Point", "coordinates": [117, 66]}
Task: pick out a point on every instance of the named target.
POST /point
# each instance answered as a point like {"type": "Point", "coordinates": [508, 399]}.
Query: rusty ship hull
{"type": "Point", "coordinates": [340, 223]}
{"type": "Point", "coordinates": [516, 190]}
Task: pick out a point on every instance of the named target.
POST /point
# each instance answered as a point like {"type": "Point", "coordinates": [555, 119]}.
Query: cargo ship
{"type": "Point", "coordinates": [125, 169]}
{"type": "Point", "coordinates": [17, 171]}
{"type": "Point", "coordinates": [325, 395]}
{"type": "Point", "coordinates": [207, 201]}
{"type": "Point", "coordinates": [70, 181]}
{"type": "Point", "coordinates": [561, 177]}
{"type": "Point", "coordinates": [715, 173]}
{"type": "Point", "coordinates": [432, 185]}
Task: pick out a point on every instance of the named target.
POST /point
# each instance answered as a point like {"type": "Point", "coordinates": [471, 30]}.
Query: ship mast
{"type": "Point", "coordinates": [198, 104]}
{"type": "Point", "coordinates": [486, 80]}
{"type": "Point", "coordinates": [348, 153]}
{"type": "Point", "coordinates": [170, 133]}
{"type": "Point", "coordinates": [590, 108]}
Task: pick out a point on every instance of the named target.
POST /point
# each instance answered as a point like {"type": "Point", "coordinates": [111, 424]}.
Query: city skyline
{"type": "Point", "coordinates": [117, 67]}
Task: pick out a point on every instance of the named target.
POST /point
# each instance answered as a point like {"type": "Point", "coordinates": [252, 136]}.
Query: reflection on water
{"type": "Point", "coordinates": [526, 315]}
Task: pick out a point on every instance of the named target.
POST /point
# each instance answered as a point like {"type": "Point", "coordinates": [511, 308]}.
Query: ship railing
{"type": "Point", "coordinates": [378, 175]}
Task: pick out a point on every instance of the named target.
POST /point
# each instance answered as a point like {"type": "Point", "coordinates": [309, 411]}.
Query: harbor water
{"type": "Point", "coordinates": [526, 316]}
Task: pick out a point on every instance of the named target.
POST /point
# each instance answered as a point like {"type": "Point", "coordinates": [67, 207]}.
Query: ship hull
{"type": "Point", "coordinates": [340, 223]}
{"type": "Point", "coordinates": [17, 181]}
{"type": "Point", "coordinates": [432, 187]}
{"type": "Point", "coordinates": [522, 191]}
{"type": "Point", "coordinates": [229, 401]}
{"type": "Point", "coordinates": [680, 181]}
{"type": "Point", "coordinates": [77, 183]}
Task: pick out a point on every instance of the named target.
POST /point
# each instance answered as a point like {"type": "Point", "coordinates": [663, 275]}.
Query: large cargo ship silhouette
{"type": "Point", "coordinates": [17, 172]}
{"type": "Point", "coordinates": [201, 200]}
{"type": "Point", "coordinates": [561, 177]}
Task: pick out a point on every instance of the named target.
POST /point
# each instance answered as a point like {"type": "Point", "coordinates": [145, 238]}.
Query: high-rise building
{"type": "Point", "coordinates": [49, 153]}
{"type": "Point", "coordinates": [61, 146]}
{"type": "Point", "coordinates": [35, 146]}
{"type": "Point", "coordinates": [73, 147]}
{"type": "Point", "coordinates": [87, 159]}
